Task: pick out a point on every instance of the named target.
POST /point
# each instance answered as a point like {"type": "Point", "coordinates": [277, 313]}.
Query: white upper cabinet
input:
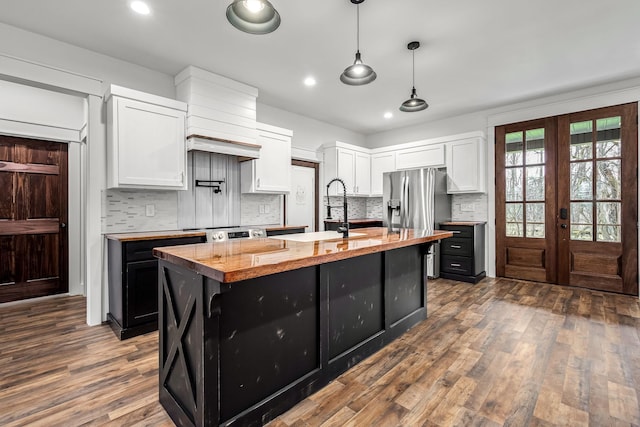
{"type": "Point", "coordinates": [466, 166]}
{"type": "Point", "coordinates": [271, 173]}
{"type": "Point", "coordinates": [421, 156]}
{"type": "Point", "coordinates": [381, 163]}
{"type": "Point", "coordinates": [350, 163]}
{"type": "Point", "coordinates": [145, 141]}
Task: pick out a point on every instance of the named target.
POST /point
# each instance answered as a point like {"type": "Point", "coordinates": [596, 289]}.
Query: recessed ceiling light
{"type": "Point", "coordinates": [140, 7]}
{"type": "Point", "coordinates": [388, 115]}
{"type": "Point", "coordinates": [310, 81]}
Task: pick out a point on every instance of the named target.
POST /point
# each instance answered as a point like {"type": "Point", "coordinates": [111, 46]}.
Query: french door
{"type": "Point", "coordinates": [566, 199]}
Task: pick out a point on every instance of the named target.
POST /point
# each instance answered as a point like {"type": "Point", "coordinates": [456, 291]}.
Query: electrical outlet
{"type": "Point", "coordinates": [150, 210]}
{"type": "Point", "coordinates": [267, 209]}
{"type": "Point", "coordinates": [261, 209]}
{"type": "Point", "coordinates": [467, 207]}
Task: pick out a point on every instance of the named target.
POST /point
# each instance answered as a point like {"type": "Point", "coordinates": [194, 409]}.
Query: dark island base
{"type": "Point", "coordinates": [463, 278]}
{"type": "Point", "coordinates": [242, 353]}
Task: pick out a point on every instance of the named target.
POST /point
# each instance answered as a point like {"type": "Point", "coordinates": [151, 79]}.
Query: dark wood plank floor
{"type": "Point", "coordinates": [501, 352]}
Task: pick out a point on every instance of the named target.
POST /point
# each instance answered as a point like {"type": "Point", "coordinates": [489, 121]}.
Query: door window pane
{"type": "Point", "coordinates": [608, 137]}
{"type": "Point", "coordinates": [581, 140]}
{"type": "Point", "coordinates": [608, 180]}
{"type": "Point", "coordinates": [535, 220]}
{"type": "Point", "coordinates": [513, 188]}
{"type": "Point", "coordinates": [581, 181]}
{"type": "Point", "coordinates": [535, 146]}
{"type": "Point", "coordinates": [609, 221]}
{"type": "Point", "coordinates": [513, 152]}
{"type": "Point", "coordinates": [535, 183]}
{"type": "Point", "coordinates": [514, 220]}
{"type": "Point", "coordinates": [582, 221]}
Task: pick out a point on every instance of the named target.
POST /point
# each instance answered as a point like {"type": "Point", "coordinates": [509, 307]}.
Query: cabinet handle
{"type": "Point", "coordinates": [258, 183]}
{"type": "Point", "coordinates": [456, 246]}
{"type": "Point", "coordinates": [455, 265]}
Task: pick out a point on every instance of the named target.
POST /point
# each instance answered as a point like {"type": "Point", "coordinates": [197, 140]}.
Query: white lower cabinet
{"type": "Point", "coordinates": [381, 163]}
{"type": "Point", "coordinates": [271, 173]}
{"type": "Point", "coordinates": [145, 141]}
{"type": "Point", "coordinates": [465, 166]}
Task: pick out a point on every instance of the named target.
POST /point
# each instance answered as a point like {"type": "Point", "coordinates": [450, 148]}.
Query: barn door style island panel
{"type": "Point", "coordinates": [248, 328]}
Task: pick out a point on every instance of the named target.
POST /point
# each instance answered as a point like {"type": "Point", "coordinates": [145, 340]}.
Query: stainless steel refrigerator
{"type": "Point", "coordinates": [417, 198]}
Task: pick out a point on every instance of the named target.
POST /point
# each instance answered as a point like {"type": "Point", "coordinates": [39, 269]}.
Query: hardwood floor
{"type": "Point", "coordinates": [501, 352]}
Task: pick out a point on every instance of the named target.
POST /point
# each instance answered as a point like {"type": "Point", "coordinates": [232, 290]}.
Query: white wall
{"type": "Point", "coordinates": [307, 132]}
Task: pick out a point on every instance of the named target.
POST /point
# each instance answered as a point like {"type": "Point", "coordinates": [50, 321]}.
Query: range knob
{"type": "Point", "coordinates": [257, 233]}
{"type": "Point", "coordinates": [218, 236]}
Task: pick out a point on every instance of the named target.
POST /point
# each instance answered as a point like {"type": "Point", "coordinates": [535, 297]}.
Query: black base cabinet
{"type": "Point", "coordinates": [133, 284]}
{"type": "Point", "coordinates": [245, 352]}
{"type": "Point", "coordinates": [462, 256]}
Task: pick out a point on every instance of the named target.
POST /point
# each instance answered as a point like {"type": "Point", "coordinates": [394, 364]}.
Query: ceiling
{"type": "Point", "coordinates": [474, 55]}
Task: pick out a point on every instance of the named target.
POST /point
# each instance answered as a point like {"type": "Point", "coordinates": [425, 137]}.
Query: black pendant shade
{"type": "Point", "coordinates": [358, 73]}
{"type": "Point", "coordinates": [413, 103]}
{"type": "Point", "coordinates": [253, 16]}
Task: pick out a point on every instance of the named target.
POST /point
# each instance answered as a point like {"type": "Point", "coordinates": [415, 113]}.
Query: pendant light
{"type": "Point", "coordinates": [253, 16]}
{"type": "Point", "coordinates": [414, 103]}
{"type": "Point", "coordinates": [359, 73]}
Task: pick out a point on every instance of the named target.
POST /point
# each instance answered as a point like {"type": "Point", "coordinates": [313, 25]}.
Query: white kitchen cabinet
{"type": "Point", "coordinates": [421, 156]}
{"type": "Point", "coordinates": [271, 173]}
{"type": "Point", "coordinates": [351, 165]}
{"type": "Point", "coordinates": [145, 141]}
{"type": "Point", "coordinates": [466, 166]}
{"type": "Point", "coordinates": [381, 163]}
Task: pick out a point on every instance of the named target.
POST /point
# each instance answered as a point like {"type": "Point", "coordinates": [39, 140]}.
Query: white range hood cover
{"type": "Point", "coordinates": [221, 114]}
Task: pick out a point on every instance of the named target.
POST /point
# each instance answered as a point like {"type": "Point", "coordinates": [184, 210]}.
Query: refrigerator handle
{"type": "Point", "coordinates": [407, 203]}
{"type": "Point", "coordinates": [404, 211]}
{"type": "Point", "coordinates": [402, 203]}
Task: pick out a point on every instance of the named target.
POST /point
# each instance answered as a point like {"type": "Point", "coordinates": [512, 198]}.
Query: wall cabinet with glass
{"type": "Point", "coordinates": [145, 141]}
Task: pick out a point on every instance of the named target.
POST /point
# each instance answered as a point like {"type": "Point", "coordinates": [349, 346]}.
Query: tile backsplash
{"type": "Point", "coordinates": [260, 209]}
{"type": "Point", "coordinates": [469, 207]}
{"type": "Point", "coordinates": [126, 210]}
{"type": "Point", "coordinates": [374, 207]}
{"type": "Point", "coordinates": [356, 207]}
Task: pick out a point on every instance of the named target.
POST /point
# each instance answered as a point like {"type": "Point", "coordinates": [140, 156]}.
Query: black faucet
{"type": "Point", "coordinates": [344, 229]}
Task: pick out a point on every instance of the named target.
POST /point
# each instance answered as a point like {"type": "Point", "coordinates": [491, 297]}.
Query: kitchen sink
{"type": "Point", "coordinates": [318, 235]}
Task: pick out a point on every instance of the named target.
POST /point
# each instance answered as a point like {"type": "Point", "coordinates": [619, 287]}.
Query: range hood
{"type": "Point", "coordinates": [221, 113]}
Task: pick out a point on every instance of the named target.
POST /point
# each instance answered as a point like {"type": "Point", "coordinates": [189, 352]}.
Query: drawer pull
{"type": "Point", "coordinates": [456, 246]}
{"type": "Point", "coordinates": [456, 231]}
{"type": "Point", "coordinates": [455, 265]}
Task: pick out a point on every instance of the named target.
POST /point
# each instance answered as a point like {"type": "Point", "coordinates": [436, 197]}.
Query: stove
{"type": "Point", "coordinates": [231, 233]}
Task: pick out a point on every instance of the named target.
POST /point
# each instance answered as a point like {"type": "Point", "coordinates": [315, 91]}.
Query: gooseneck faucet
{"type": "Point", "coordinates": [344, 229]}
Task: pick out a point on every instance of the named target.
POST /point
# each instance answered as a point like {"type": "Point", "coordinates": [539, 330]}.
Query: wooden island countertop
{"type": "Point", "coordinates": [243, 259]}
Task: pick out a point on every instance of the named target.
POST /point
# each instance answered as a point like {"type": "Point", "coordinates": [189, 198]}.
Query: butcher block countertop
{"type": "Point", "coordinates": [153, 235]}
{"type": "Point", "coordinates": [243, 259]}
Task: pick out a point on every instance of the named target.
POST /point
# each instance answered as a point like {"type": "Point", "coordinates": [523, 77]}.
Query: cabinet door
{"type": "Point", "coordinates": [150, 144]}
{"type": "Point", "coordinates": [272, 171]}
{"type": "Point", "coordinates": [421, 157]}
{"type": "Point", "coordinates": [362, 175]}
{"type": "Point", "coordinates": [381, 163]}
{"type": "Point", "coordinates": [465, 166]}
{"type": "Point", "coordinates": [346, 171]}
{"type": "Point", "coordinates": [141, 294]}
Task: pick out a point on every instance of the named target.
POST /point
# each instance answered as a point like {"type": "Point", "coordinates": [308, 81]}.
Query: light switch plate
{"type": "Point", "coordinates": [150, 210]}
{"type": "Point", "coordinates": [467, 207]}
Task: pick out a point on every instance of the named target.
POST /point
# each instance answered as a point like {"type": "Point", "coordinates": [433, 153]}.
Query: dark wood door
{"type": "Point", "coordinates": [566, 199]}
{"type": "Point", "coordinates": [33, 217]}
{"type": "Point", "coordinates": [526, 201]}
{"type": "Point", "coordinates": [598, 198]}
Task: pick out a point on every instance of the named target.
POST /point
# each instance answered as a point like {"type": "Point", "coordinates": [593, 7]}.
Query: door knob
{"type": "Point", "coordinates": [63, 225]}
{"type": "Point", "coordinates": [563, 225]}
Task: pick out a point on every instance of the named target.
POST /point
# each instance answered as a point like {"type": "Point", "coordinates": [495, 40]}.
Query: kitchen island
{"type": "Point", "coordinates": [248, 328]}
